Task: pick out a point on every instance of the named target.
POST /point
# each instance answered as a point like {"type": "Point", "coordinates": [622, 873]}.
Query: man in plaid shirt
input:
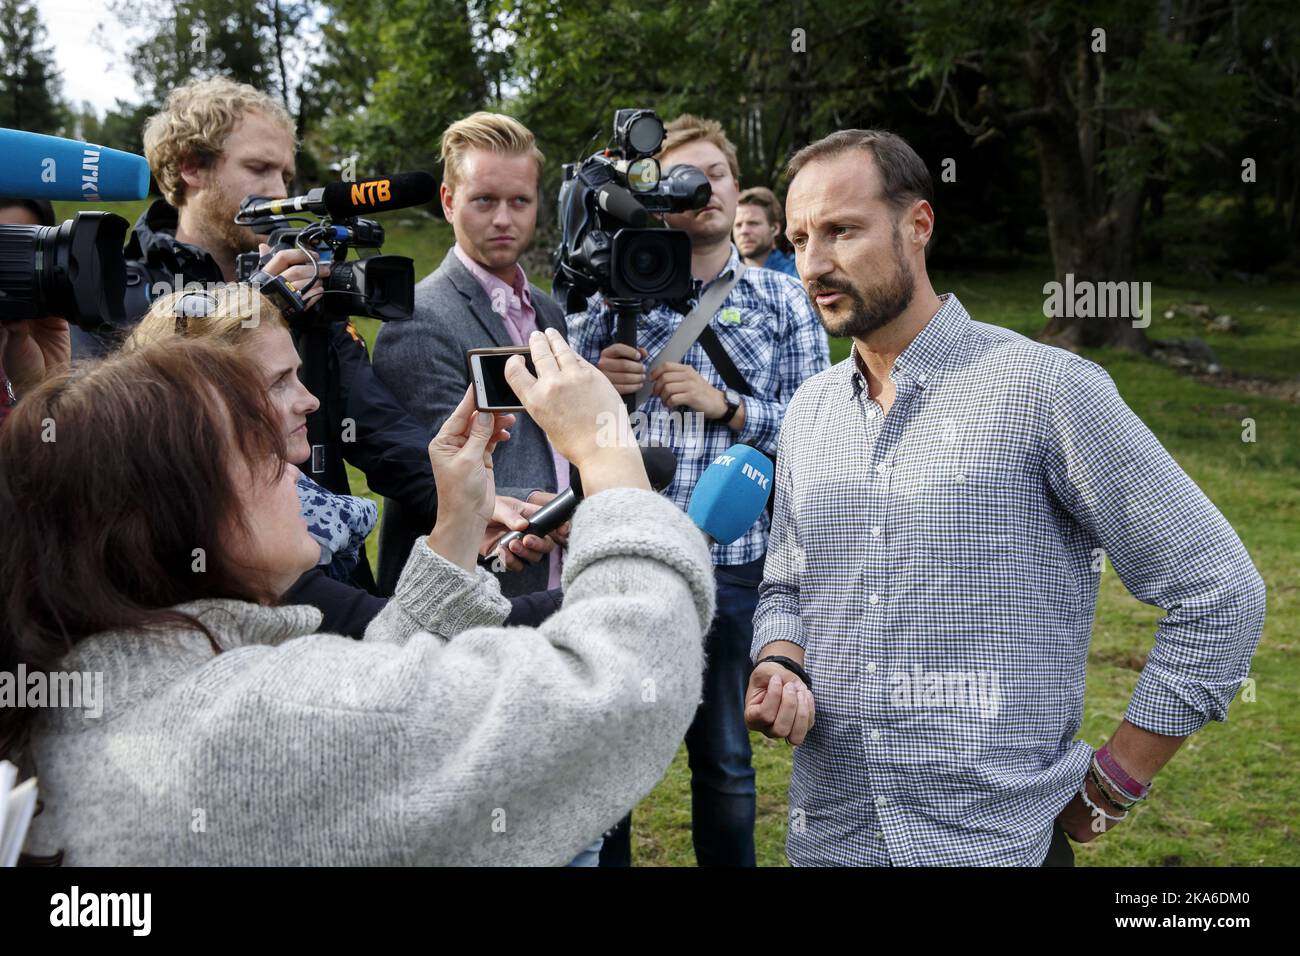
{"type": "Point", "coordinates": [768, 329]}
{"type": "Point", "coordinates": [945, 499]}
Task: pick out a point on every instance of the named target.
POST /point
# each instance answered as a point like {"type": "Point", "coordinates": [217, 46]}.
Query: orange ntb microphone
{"type": "Point", "coordinates": [343, 200]}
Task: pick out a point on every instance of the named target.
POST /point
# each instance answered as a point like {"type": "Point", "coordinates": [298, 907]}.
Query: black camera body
{"type": "Point", "coordinates": [609, 241]}
{"type": "Point", "coordinates": [378, 287]}
{"type": "Point", "coordinates": [76, 270]}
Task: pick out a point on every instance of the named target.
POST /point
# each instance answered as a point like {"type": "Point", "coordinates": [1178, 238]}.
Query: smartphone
{"type": "Point", "coordinates": [487, 370]}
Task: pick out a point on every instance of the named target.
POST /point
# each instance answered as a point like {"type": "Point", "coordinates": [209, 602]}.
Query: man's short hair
{"type": "Point", "coordinates": [764, 198]}
{"type": "Point", "coordinates": [194, 124]}
{"type": "Point", "coordinates": [493, 132]}
{"type": "Point", "coordinates": [688, 127]}
{"type": "Point", "coordinates": [903, 174]}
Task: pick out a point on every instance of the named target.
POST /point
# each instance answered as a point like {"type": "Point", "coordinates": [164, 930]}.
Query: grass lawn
{"type": "Point", "coordinates": [1230, 795]}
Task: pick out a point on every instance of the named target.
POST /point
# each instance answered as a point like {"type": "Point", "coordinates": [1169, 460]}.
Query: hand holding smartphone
{"type": "Point", "coordinates": [492, 393]}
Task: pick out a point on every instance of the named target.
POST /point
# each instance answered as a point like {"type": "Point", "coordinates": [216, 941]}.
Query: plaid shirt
{"type": "Point", "coordinates": [769, 331]}
{"type": "Point", "coordinates": [940, 566]}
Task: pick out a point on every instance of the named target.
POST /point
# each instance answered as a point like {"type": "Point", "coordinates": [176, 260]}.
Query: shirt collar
{"type": "Point", "coordinates": [490, 282]}
{"type": "Point", "coordinates": [729, 270]}
{"type": "Point", "coordinates": [925, 355]}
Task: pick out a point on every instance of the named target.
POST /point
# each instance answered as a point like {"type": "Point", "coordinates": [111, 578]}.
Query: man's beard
{"type": "Point", "coordinates": [217, 215]}
{"type": "Point", "coordinates": [876, 307]}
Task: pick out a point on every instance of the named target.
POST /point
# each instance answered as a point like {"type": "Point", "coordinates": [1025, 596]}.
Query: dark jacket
{"type": "Point", "coordinates": [358, 422]}
{"type": "Point", "coordinates": [423, 361]}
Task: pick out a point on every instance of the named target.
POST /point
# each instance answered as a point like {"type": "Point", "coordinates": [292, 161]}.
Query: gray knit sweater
{"type": "Point", "coordinates": [442, 738]}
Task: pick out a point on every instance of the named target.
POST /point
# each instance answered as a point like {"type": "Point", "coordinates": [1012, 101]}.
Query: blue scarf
{"type": "Point", "coordinates": [339, 523]}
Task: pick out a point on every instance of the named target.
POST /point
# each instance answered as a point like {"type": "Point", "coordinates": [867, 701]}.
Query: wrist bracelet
{"type": "Point", "coordinates": [1117, 794]}
{"type": "Point", "coordinates": [1105, 791]}
{"type": "Point", "coordinates": [1115, 772]}
{"type": "Point", "coordinates": [1083, 792]}
{"type": "Point", "coordinates": [790, 665]}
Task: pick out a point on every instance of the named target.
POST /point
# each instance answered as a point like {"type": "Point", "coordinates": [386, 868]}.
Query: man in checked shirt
{"type": "Point", "coordinates": [769, 331]}
{"type": "Point", "coordinates": [944, 498]}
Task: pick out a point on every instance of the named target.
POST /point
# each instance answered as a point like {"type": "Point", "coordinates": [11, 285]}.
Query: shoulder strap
{"type": "Point", "coordinates": [696, 321]}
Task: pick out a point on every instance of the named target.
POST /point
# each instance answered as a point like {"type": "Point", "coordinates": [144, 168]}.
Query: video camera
{"type": "Point", "coordinates": [609, 241]}
{"type": "Point", "coordinates": [377, 287]}
{"type": "Point", "coordinates": [76, 270]}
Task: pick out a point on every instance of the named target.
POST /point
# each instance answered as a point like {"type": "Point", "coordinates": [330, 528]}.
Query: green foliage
{"type": "Point", "coordinates": [252, 41]}
{"type": "Point", "coordinates": [29, 81]}
{"type": "Point", "coordinates": [401, 73]}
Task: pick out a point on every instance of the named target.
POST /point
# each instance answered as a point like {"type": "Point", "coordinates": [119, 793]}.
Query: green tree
{"type": "Point", "coordinates": [260, 42]}
{"type": "Point", "coordinates": [1109, 93]}
{"type": "Point", "coordinates": [29, 82]}
{"type": "Point", "coordinates": [394, 76]}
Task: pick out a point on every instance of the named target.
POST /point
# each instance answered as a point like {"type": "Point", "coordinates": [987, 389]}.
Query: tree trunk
{"type": "Point", "coordinates": [1092, 242]}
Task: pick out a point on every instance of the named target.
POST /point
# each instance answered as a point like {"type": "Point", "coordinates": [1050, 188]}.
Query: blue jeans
{"type": "Point", "coordinates": [717, 743]}
{"type": "Point", "coordinates": [589, 856]}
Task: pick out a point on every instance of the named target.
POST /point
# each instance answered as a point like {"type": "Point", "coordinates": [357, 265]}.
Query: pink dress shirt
{"type": "Point", "coordinates": [520, 320]}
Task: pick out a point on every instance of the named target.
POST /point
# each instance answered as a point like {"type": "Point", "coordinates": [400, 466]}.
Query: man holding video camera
{"type": "Point", "coordinates": [766, 327]}
{"type": "Point", "coordinates": [479, 297]}
{"type": "Point", "coordinates": [215, 143]}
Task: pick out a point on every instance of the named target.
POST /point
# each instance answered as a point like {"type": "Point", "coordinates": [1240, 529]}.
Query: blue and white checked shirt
{"type": "Point", "coordinates": [939, 566]}
{"type": "Point", "coordinates": [769, 330]}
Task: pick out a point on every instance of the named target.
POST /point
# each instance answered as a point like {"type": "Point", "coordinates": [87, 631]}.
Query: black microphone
{"type": "Point", "coordinates": [617, 201]}
{"type": "Point", "coordinates": [343, 200]}
{"type": "Point", "coordinates": [660, 467]}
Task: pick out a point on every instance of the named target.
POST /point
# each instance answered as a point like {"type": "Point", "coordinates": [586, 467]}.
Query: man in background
{"type": "Point", "coordinates": [767, 329]}
{"type": "Point", "coordinates": [758, 231]}
{"type": "Point", "coordinates": [479, 297]}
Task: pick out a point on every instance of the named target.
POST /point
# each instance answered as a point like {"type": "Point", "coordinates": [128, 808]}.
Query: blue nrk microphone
{"type": "Point", "coordinates": [731, 493]}
{"type": "Point", "coordinates": [37, 166]}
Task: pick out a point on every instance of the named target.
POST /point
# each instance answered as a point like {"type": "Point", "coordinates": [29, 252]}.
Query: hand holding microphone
{"type": "Point", "coordinates": [660, 466]}
{"type": "Point", "coordinates": [296, 267]}
{"type": "Point", "coordinates": [511, 519]}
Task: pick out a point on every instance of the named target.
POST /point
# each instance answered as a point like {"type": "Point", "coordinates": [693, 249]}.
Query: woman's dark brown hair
{"type": "Point", "coordinates": [111, 476]}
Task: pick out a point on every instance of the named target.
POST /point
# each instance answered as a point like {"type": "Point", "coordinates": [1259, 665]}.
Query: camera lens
{"type": "Point", "coordinates": [75, 270]}
{"type": "Point", "coordinates": [645, 133]}
{"type": "Point", "coordinates": [647, 263]}
{"type": "Point", "coordinates": [651, 263]}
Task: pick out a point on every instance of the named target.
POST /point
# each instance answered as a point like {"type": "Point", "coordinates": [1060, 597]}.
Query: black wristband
{"type": "Point", "coordinates": [791, 665]}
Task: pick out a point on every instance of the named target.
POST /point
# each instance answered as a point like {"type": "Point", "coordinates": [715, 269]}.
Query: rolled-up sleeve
{"type": "Point", "coordinates": [1169, 545]}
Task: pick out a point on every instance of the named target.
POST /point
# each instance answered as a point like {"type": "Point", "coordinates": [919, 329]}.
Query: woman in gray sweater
{"type": "Point", "coordinates": [149, 544]}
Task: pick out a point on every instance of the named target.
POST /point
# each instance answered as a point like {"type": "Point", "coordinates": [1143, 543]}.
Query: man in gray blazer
{"type": "Point", "coordinates": [478, 298]}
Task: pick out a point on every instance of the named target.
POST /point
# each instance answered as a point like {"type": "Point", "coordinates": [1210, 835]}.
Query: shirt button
{"type": "Point", "coordinates": [880, 468]}
{"type": "Point", "coordinates": [874, 599]}
{"type": "Point", "coordinates": [875, 532]}
{"type": "Point", "coordinates": [880, 801]}
{"type": "Point", "coordinates": [875, 735]}
{"type": "Point", "coordinates": [871, 667]}
{"type": "Point", "coordinates": [959, 478]}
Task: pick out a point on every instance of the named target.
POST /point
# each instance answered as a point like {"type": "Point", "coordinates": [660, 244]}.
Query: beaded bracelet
{"type": "Point", "coordinates": [1083, 792]}
{"type": "Point", "coordinates": [1105, 791]}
